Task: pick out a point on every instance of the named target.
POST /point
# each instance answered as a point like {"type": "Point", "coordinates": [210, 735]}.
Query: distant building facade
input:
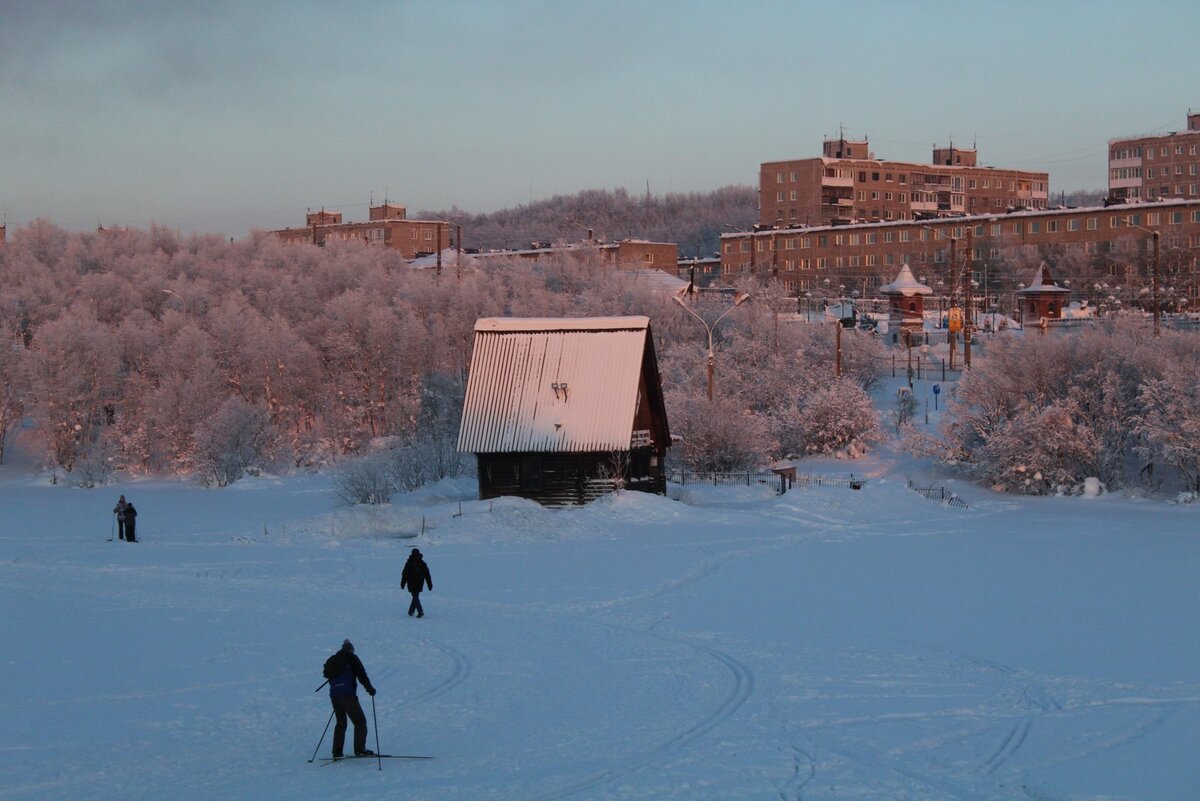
{"type": "Point", "coordinates": [1104, 244]}
{"type": "Point", "coordinates": [388, 226]}
{"type": "Point", "coordinates": [1156, 166]}
{"type": "Point", "coordinates": [628, 254]}
{"type": "Point", "coordinates": [848, 184]}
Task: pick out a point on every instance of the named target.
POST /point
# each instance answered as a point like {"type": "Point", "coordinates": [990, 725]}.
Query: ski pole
{"type": "Point", "coordinates": [375, 720]}
{"type": "Point", "coordinates": [318, 748]}
{"type": "Point", "coordinates": [322, 685]}
{"type": "Point", "coordinates": [112, 531]}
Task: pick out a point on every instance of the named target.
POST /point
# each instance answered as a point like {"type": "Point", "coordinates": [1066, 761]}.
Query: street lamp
{"type": "Point", "coordinates": [709, 328]}
{"type": "Point", "coordinates": [808, 307]}
{"type": "Point", "coordinates": [1154, 274]}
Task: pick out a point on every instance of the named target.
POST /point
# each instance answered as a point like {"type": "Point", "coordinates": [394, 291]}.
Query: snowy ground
{"type": "Point", "coordinates": [727, 644]}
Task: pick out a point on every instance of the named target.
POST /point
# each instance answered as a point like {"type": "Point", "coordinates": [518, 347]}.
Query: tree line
{"type": "Point", "coordinates": [148, 351]}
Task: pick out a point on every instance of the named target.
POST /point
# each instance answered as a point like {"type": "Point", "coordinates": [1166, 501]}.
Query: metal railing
{"type": "Point", "coordinates": [781, 482]}
{"type": "Point", "coordinates": [939, 494]}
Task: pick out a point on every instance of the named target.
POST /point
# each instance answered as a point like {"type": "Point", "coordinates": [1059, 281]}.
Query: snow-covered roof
{"type": "Point", "coordinates": [905, 284]}
{"type": "Point", "coordinates": [1042, 282]}
{"type": "Point", "coordinates": [553, 384]}
{"type": "Point", "coordinates": [450, 258]}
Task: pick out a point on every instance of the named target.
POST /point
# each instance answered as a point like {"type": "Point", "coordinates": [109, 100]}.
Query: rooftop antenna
{"type": "Point", "coordinates": [371, 198]}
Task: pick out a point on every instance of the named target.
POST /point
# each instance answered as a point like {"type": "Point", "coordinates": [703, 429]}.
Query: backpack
{"type": "Point", "coordinates": [334, 666]}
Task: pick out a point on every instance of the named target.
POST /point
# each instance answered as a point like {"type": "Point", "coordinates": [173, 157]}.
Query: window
{"type": "Point", "coordinates": [792, 196]}
{"type": "Point", "coordinates": [822, 263]}
{"type": "Point", "coordinates": [1162, 151]}
{"type": "Point", "coordinates": [905, 235]}
{"type": "Point", "coordinates": [1052, 226]}
{"type": "Point", "coordinates": [1149, 153]}
{"type": "Point", "coordinates": [903, 179]}
{"type": "Point", "coordinates": [972, 184]}
{"type": "Point", "coordinates": [778, 177]}
{"type": "Point", "coordinates": [888, 176]}
{"type": "Point", "coordinates": [648, 258]}
{"type": "Point", "coordinates": [760, 246]}
{"type": "Point", "coordinates": [995, 229]}
{"type": "Point", "coordinates": [1176, 217]}
{"type": "Point", "coordinates": [903, 198]}
{"type": "Point", "coordinates": [855, 239]}
{"type": "Point", "coordinates": [871, 238]}
{"type": "Point", "coordinates": [874, 196]}
{"type": "Point", "coordinates": [778, 197]}
{"type": "Point", "coordinates": [1072, 225]}
{"type": "Point", "coordinates": [728, 247]}
{"type": "Point", "coordinates": [887, 237]}
{"type": "Point", "coordinates": [862, 195]}
{"type": "Point", "coordinates": [789, 244]}
{"type": "Point", "coordinates": [429, 236]}
{"type": "Point", "coordinates": [838, 240]}
{"type": "Point", "coordinates": [1178, 150]}
{"type": "Point", "coordinates": [793, 176]}
{"type": "Point", "coordinates": [1035, 227]}
{"type": "Point", "coordinates": [862, 176]}
{"type": "Point", "coordinates": [1152, 219]}
{"type": "Point", "coordinates": [1092, 224]}
{"type": "Point", "coordinates": [805, 242]}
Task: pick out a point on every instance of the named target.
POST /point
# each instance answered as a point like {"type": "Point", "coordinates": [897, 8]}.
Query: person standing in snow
{"type": "Point", "coordinates": [130, 522]}
{"type": "Point", "coordinates": [119, 511]}
{"type": "Point", "coordinates": [346, 670]}
{"type": "Point", "coordinates": [415, 577]}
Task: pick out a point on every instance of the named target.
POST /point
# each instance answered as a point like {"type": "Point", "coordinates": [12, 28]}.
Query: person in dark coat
{"type": "Point", "coordinates": [119, 511]}
{"type": "Point", "coordinates": [343, 695]}
{"type": "Point", "coordinates": [415, 578]}
{"type": "Point", "coordinates": [130, 523]}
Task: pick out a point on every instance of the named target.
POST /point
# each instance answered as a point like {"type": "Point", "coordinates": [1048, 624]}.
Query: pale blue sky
{"type": "Point", "coordinates": [224, 116]}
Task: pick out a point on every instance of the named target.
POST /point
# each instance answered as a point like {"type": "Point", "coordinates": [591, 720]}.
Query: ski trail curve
{"type": "Point", "coordinates": [739, 693]}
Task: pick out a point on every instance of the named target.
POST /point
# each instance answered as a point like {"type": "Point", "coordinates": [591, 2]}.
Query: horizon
{"type": "Point", "coordinates": [222, 119]}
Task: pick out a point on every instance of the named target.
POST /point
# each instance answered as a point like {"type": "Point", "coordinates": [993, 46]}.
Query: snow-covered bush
{"type": "Point", "coordinates": [718, 435]}
{"type": "Point", "coordinates": [238, 436]}
{"type": "Point", "coordinates": [838, 417]}
{"type": "Point", "coordinates": [365, 480]}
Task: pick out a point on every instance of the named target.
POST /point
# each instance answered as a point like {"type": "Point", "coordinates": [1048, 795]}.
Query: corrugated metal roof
{"type": "Point", "coordinates": [553, 384]}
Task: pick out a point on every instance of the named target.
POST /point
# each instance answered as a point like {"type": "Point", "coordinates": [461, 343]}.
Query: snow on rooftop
{"type": "Point", "coordinates": [905, 284]}
{"type": "Point", "coordinates": [553, 385]}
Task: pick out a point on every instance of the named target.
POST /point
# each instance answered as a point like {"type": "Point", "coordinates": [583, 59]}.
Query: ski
{"type": "Point", "coordinates": [328, 760]}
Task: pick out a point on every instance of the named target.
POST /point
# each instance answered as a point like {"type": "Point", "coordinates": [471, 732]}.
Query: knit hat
{"type": "Point", "coordinates": [415, 552]}
{"type": "Point", "coordinates": [347, 646]}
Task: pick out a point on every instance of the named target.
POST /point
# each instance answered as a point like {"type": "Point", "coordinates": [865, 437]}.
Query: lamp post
{"type": "Point", "coordinates": [709, 328]}
{"type": "Point", "coordinates": [954, 278]}
{"type": "Point", "coordinates": [807, 307]}
{"type": "Point", "coordinates": [1154, 273]}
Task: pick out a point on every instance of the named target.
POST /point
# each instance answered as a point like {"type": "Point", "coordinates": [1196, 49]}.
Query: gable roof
{"type": "Point", "coordinates": [905, 284]}
{"type": "Point", "coordinates": [553, 384]}
{"type": "Point", "coordinates": [1042, 283]}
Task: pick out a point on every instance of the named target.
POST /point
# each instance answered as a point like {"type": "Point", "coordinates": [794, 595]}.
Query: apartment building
{"type": "Point", "coordinates": [387, 226]}
{"type": "Point", "coordinates": [848, 184]}
{"type": "Point", "coordinates": [628, 254]}
{"type": "Point", "coordinates": [1100, 245]}
{"type": "Point", "coordinates": [1156, 166]}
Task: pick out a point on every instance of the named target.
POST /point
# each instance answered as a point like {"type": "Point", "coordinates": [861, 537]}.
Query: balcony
{"type": "Point", "coordinates": [833, 180]}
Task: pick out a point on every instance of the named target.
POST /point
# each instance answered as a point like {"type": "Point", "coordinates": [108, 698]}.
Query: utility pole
{"type": "Point", "coordinates": [953, 278]}
{"type": "Point", "coordinates": [837, 361]}
{"type": "Point", "coordinates": [1154, 284]}
{"type": "Point", "coordinates": [967, 291]}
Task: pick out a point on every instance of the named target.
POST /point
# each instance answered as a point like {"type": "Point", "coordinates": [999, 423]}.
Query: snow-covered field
{"type": "Point", "coordinates": [725, 644]}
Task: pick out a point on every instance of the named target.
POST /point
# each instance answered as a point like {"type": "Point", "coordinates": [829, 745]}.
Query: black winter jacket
{"type": "Point", "coordinates": [416, 575]}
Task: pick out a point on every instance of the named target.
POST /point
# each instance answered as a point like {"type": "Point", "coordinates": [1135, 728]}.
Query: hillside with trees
{"type": "Point", "coordinates": [693, 220]}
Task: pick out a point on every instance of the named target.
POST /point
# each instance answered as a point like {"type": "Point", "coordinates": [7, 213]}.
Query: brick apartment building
{"type": "Point", "coordinates": [628, 254]}
{"type": "Point", "coordinates": [848, 184]}
{"type": "Point", "coordinates": [1099, 249]}
{"type": "Point", "coordinates": [1154, 167]}
{"type": "Point", "coordinates": [388, 226]}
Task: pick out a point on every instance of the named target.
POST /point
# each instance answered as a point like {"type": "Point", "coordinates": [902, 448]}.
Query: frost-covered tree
{"type": "Point", "coordinates": [238, 436]}
{"type": "Point", "coordinates": [1169, 420]}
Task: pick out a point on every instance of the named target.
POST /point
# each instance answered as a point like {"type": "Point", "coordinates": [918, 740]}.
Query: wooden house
{"type": "Point", "coordinates": [563, 410]}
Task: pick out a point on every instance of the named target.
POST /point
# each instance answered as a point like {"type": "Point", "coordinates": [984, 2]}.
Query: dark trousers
{"type": "Point", "coordinates": [347, 706]}
{"type": "Point", "coordinates": [129, 535]}
{"type": "Point", "coordinates": [120, 528]}
{"type": "Point", "coordinates": [415, 606]}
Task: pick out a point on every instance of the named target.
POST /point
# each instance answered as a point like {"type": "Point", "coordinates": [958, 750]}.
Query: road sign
{"type": "Point", "coordinates": [937, 388]}
{"type": "Point", "coordinates": [955, 318]}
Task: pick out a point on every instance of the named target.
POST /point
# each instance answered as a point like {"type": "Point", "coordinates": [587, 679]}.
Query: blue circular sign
{"type": "Point", "coordinates": [937, 388]}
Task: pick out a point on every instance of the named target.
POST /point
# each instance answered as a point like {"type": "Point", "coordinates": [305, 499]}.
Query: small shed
{"type": "Point", "coordinates": [906, 301]}
{"type": "Point", "coordinates": [563, 410]}
{"type": "Point", "coordinates": [1044, 297]}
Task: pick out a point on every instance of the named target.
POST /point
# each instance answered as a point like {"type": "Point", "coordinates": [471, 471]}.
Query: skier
{"type": "Point", "coordinates": [119, 511]}
{"type": "Point", "coordinates": [415, 577]}
{"type": "Point", "coordinates": [344, 670]}
{"type": "Point", "coordinates": [130, 522]}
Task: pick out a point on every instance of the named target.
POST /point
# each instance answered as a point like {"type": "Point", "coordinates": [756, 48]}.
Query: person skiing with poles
{"type": "Point", "coordinates": [344, 671]}
{"type": "Point", "coordinates": [119, 511]}
{"type": "Point", "coordinates": [415, 577]}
